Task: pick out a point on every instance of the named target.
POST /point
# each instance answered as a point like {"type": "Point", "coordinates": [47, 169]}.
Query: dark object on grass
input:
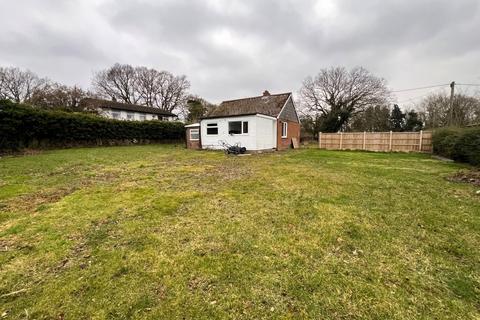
{"type": "Point", "coordinates": [232, 149]}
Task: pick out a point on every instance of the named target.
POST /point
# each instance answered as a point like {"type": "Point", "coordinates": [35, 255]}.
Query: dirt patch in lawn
{"type": "Point", "coordinates": [472, 176]}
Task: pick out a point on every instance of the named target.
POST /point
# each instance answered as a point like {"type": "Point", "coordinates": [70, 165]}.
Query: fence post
{"type": "Point", "coordinates": [364, 136]}
{"type": "Point", "coordinates": [320, 140]}
{"type": "Point", "coordinates": [390, 147]}
{"type": "Point", "coordinates": [341, 140]}
{"type": "Point", "coordinates": [421, 141]}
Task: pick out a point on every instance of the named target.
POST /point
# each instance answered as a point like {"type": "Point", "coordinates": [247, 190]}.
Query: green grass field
{"type": "Point", "coordinates": [160, 232]}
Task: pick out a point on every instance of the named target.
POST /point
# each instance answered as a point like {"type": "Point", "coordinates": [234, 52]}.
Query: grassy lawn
{"type": "Point", "coordinates": [159, 232]}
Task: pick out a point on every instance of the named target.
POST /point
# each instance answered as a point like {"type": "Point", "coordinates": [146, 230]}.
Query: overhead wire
{"type": "Point", "coordinates": [431, 92]}
{"type": "Point", "coordinates": [468, 84]}
{"type": "Point", "coordinates": [422, 88]}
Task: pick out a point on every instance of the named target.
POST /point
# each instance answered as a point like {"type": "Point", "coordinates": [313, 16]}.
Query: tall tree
{"type": "Point", "coordinates": [196, 109]}
{"type": "Point", "coordinates": [58, 96]}
{"type": "Point", "coordinates": [373, 119]}
{"type": "Point", "coordinates": [413, 121]}
{"type": "Point", "coordinates": [142, 85]}
{"type": "Point", "coordinates": [336, 94]}
{"type": "Point", "coordinates": [397, 119]}
{"type": "Point", "coordinates": [117, 82]}
{"type": "Point", "coordinates": [436, 110]}
{"type": "Point", "coordinates": [2, 80]}
{"type": "Point", "coordinates": [311, 125]}
{"type": "Point", "coordinates": [19, 85]}
{"type": "Point", "coordinates": [173, 92]}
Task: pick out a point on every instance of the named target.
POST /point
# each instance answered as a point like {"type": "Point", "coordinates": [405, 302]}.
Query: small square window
{"type": "Point", "coordinates": [194, 134]}
{"type": "Point", "coordinates": [212, 129]}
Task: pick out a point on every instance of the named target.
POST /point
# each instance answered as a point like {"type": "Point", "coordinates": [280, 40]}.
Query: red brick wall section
{"type": "Point", "coordinates": [293, 131]}
{"type": "Point", "coordinates": [192, 144]}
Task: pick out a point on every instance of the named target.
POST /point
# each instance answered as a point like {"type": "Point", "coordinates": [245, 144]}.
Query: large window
{"type": "Point", "coordinates": [284, 129]}
{"type": "Point", "coordinates": [130, 116]}
{"type": "Point", "coordinates": [194, 134]}
{"type": "Point", "coordinates": [212, 129]}
{"type": "Point", "coordinates": [237, 127]}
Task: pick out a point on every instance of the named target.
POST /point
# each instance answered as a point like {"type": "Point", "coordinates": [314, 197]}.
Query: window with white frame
{"type": "Point", "coordinates": [194, 134]}
{"type": "Point", "coordinates": [212, 129]}
{"type": "Point", "coordinates": [237, 127]}
{"type": "Point", "coordinates": [284, 129]}
{"type": "Point", "coordinates": [116, 115]}
{"type": "Point", "coordinates": [245, 126]}
{"type": "Point", "coordinates": [142, 117]}
{"type": "Point", "coordinates": [130, 116]}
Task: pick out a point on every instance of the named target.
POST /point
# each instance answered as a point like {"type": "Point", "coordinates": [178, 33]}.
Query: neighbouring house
{"type": "Point", "coordinates": [124, 111]}
{"type": "Point", "coordinates": [267, 122]}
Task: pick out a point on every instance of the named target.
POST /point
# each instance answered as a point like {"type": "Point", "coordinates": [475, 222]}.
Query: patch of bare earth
{"type": "Point", "coordinates": [32, 202]}
{"type": "Point", "coordinates": [472, 176]}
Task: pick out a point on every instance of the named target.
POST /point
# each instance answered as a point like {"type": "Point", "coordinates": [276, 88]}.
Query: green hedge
{"type": "Point", "coordinates": [459, 144]}
{"type": "Point", "coordinates": [22, 126]}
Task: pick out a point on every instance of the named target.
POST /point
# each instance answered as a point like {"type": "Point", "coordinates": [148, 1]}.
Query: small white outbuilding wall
{"type": "Point", "coordinates": [261, 135]}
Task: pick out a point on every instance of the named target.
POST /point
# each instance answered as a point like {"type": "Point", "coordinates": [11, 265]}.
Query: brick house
{"type": "Point", "coordinates": [266, 122]}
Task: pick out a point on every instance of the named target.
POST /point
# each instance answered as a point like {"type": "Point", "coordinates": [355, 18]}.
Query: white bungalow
{"type": "Point", "coordinates": [267, 122]}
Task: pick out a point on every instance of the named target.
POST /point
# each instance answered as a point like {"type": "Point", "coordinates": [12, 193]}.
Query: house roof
{"type": "Point", "coordinates": [92, 103]}
{"type": "Point", "coordinates": [267, 104]}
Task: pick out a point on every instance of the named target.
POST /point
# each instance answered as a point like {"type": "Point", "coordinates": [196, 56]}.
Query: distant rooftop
{"type": "Point", "coordinates": [108, 104]}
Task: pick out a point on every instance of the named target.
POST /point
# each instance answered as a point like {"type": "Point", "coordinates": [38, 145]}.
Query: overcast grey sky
{"type": "Point", "coordinates": [230, 49]}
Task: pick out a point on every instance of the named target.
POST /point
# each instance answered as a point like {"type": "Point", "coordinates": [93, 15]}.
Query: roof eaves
{"type": "Point", "coordinates": [229, 116]}
{"type": "Point", "coordinates": [256, 97]}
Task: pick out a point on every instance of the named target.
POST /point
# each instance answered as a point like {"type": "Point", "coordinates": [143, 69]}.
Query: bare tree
{"type": "Point", "coordinates": [141, 85]}
{"type": "Point", "coordinates": [148, 85]}
{"type": "Point", "coordinates": [436, 110]}
{"type": "Point", "coordinates": [2, 81]}
{"type": "Point", "coordinates": [58, 96]}
{"type": "Point", "coordinates": [117, 82]}
{"type": "Point", "coordinates": [337, 94]}
{"type": "Point", "coordinates": [173, 92]}
{"type": "Point", "coordinates": [19, 85]}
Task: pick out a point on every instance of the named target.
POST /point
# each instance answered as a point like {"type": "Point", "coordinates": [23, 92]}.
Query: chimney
{"type": "Point", "coordinates": [266, 93]}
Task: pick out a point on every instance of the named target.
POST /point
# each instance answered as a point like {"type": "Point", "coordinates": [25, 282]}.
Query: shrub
{"type": "Point", "coordinates": [459, 144]}
{"type": "Point", "coordinates": [22, 126]}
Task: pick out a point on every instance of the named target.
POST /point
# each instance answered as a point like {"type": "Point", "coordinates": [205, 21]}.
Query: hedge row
{"type": "Point", "coordinates": [459, 144]}
{"type": "Point", "coordinates": [22, 126]}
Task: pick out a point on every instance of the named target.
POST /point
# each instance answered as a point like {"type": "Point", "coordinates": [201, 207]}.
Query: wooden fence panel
{"type": "Point", "coordinates": [377, 141]}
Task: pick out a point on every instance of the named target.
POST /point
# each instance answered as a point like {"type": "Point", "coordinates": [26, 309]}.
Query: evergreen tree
{"type": "Point", "coordinates": [397, 119]}
{"type": "Point", "coordinates": [196, 109]}
{"type": "Point", "coordinates": [413, 122]}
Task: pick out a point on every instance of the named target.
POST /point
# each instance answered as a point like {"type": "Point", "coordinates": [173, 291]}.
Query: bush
{"type": "Point", "coordinates": [22, 126]}
{"type": "Point", "coordinates": [459, 144]}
